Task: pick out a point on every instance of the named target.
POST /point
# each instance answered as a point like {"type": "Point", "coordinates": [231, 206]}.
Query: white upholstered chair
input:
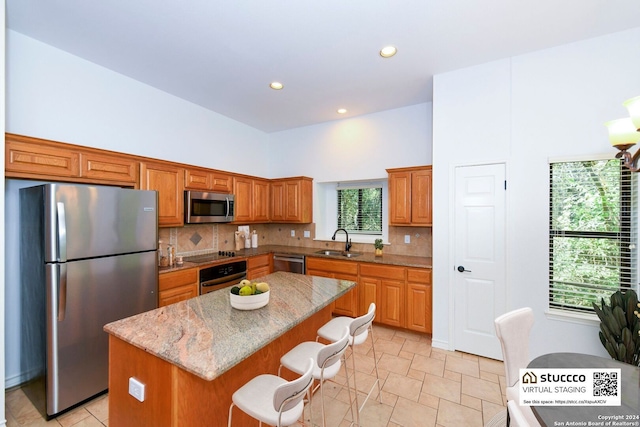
{"type": "Point", "coordinates": [327, 362]}
{"type": "Point", "coordinates": [359, 329]}
{"type": "Point", "coordinates": [513, 329]}
{"type": "Point", "coordinates": [274, 400]}
{"type": "Point", "coordinates": [516, 416]}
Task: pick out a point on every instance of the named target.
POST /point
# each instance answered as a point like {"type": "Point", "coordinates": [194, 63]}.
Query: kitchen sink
{"type": "Point", "coordinates": [339, 253]}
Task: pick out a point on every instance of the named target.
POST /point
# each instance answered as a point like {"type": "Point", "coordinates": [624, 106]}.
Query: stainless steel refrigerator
{"type": "Point", "coordinates": [88, 257]}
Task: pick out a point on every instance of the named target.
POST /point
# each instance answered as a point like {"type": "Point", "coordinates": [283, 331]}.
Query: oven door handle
{"type": "Point", "coordinates": [225, 279]}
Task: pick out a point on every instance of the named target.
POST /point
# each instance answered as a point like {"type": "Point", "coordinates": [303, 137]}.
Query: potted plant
{"type": "Point", "coordinates": [378, 245]}
{"type": "Point", "coordinates": [620, 326]}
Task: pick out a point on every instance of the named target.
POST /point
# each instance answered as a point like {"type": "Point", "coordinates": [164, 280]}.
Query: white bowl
{"type": "Point", "coordinates": [249, 302]}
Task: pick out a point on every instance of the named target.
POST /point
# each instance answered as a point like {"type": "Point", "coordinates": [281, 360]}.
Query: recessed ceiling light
{"type": "Point", "coordinates": [388, 51]}
{"type": "Point", "coordinates": [276, 85]}
{"type": "Point", "coordinates": [342, 110]}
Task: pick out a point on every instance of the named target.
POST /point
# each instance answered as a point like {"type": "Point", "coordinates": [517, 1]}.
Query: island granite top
{"type": "Point", "coordinates": [207, 337]}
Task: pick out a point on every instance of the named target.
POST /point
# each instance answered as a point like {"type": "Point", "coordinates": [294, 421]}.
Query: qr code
{"type": "Point", "coordinates": [605, 383]}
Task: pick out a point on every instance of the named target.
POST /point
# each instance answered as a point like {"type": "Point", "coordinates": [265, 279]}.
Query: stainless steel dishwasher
{"type": "Point", "coordinates": [293, 263]}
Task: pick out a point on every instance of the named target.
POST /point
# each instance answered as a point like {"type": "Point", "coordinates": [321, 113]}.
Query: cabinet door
{"type": "Point", "coordinates": [400, 198]}
{"type": "Point", "coordinates": [392, 297]}
{"type": "Point", "coordinates": [168, 181]}
{"type": "Point", "coordinates": [196, 179]}
{"type": "Point", "coordinates": [177, 286]}
{"type": "Point", "coordinates": [221, 182]}
{"type": "Point", "coordinates": [260, 200]}
{"type": "Point", "coordinates": [277, 201]}
{"type": "Point", "coordinates": [346, 305]}
{"type": "Point", "coordinates": [109, 168]}
{"type": "Point", "coordinates": [178, 294]}
{"type": "Point", "coordinates": [369, 293]}
{"type": "Point", "coordinates": [419, 300]}
{"type": "Point", "coordinates": [258, 266]}
{"type": "Point", "coordinates": [243, 205]}
{"type": "Point", "coordinates": [26, 159]}
{"type": "Point", "coordinates": [421, 197]}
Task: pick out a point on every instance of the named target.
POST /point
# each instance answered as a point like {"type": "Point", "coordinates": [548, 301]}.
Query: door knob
{"type": "Point", "coordinates": [461, 269]}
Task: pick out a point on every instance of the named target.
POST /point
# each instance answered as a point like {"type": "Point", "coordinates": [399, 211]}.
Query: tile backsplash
{"type": "Point", "coordinates": [201, 238]}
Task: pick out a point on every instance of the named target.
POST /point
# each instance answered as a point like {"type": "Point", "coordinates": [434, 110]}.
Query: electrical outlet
{"type": "Point", "coordinates": [293, 233]}
{"type": "Point", "coordinates": [136, 389]}
{"type": "Point", "coordinates": [407, 238]}
{"type": "Point", "coordinates": [307, 233]}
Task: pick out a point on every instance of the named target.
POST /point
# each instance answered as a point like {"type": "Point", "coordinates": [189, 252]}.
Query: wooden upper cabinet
{"type": "Point", "coordinates": [27, 157]}
{"type": "Point", "coordinates": [260, 200]}
{"type": "Point", "coordinates": [109, 168]}
{"type": "Point", "coordinates": [168, 181]}
{"type": "Point", "coordinates": [251, 202]}
{"type": "Point", "coordinates": [243, 202]}
{"type": "Point", "coordinates": [292, 200]}
{"type": "Point", "coordinates": [207, 180]}
{"type": "Point", "coordinates": [410, 194]}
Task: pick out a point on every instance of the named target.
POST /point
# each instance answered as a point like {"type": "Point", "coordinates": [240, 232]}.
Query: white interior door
{"type": "Point", "coordinates": [480, 257]}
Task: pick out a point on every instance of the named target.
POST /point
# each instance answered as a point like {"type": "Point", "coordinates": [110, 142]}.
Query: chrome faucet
{"type": "Point", "coordinates": [347, 244]}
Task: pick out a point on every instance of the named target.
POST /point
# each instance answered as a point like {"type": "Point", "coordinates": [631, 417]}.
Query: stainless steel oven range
{"type": "Point", "coordinates": [222, 275]}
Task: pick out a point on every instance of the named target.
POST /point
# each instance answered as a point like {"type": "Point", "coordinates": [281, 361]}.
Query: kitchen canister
{"type": "Point", "coordinates": [254, 239]}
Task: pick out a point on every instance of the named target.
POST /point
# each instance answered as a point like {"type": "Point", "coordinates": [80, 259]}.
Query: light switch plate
{"type": "Point", "coordinates": [407, 238]}
{"type": "Point", "coordinates": [136, 389]}
{"type": "Point", "coordinates": [307, 233]}
{"type": "Point", "coordinates": [293, 233]}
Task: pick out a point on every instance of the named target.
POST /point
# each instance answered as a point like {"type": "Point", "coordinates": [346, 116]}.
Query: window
{"type": "Point", "coordinates": [592, 232]}
{"type": "Point", "coordinates": [360, 209]}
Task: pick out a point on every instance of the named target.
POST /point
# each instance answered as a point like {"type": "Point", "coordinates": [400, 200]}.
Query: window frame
{"type": "Point", "coordinates": [626, 237]}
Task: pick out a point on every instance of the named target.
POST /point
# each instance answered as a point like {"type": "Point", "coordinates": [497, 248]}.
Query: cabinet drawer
{"type": "Point", "coordinates": [258, 261]}
{"type": "Point", "coordinates": [41, 160]}
{"type": "Point", "coordinates": [177, 278]}
{"type": "Point", "coordinates": [382, 271]}
{"type": "Point", "coordinates": [422, 275]}
{"type": "Point", "coordinates": [345, 267]}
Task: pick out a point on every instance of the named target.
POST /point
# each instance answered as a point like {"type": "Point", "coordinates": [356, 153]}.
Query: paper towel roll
{"type": "Point", "coordinates": [254, 240]}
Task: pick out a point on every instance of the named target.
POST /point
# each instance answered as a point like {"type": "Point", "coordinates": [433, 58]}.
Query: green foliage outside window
{"type": "Point", "coordinates": [360, 210]}
{"type": "Point", "coordinates": [592, 232]}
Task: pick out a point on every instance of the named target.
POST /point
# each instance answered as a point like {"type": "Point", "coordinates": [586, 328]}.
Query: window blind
{"type": "Point", "coordinates": [592, 232]}
{"type": "Point", "coordinates": [360, 209]}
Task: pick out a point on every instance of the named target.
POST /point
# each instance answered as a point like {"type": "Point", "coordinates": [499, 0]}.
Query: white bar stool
{"type": "Point", "coordinates": [359, 329]}
{"type": "Point", "coordinates": [272, 399]}
{"type": "Point", "coordinates": [327, 358]}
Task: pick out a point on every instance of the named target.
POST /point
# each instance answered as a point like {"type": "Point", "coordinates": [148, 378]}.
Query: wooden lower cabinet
{"type": "Point", "coordinates": [177, 286]}
{"type": "Point", "coordinates": [347, 305]}
{"type": "Point", "coordinates": [384, 285]}
{"type": "Point", "coordinates": [177, 398]}
{"type": "Point", "coordinates": [419, 300]}
{"type": "Point", "coordinates": [259, 265]}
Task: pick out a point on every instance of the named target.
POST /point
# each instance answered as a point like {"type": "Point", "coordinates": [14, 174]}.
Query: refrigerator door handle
{"type": "Point", "coordinates": [62, 293]}
{"type": "Point", "coordinates": [62, 232]}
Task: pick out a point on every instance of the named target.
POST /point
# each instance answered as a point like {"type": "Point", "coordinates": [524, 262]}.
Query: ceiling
{"type": "Point", "coordinates": [222, 54]}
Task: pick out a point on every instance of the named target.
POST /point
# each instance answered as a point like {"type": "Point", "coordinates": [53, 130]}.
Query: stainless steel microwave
{"type": "Point", "coordinates": [203, 207]}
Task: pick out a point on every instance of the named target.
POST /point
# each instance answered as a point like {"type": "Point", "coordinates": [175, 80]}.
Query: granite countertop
{"type": "Point", "coordinates": [401, 260]}
{"type": "Point", "coordinates": [207, 337]}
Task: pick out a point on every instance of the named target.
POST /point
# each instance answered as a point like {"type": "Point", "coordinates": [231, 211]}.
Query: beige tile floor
{"type": "Point", "coordinates": [421, 386]}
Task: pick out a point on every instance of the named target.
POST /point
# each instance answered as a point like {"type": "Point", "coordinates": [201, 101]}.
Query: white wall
{"type": "Point", "coordinates": [2, 249]}
{"type": "Point", "coordinates": [54, 95]}
{"type": "Point", "coordinates": [356, 148]}
{"type": "Point", "coordinates": [525, 110]}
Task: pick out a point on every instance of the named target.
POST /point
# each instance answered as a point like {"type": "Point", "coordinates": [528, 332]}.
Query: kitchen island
{"type": "Point", "coordinates": [191, 356]}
